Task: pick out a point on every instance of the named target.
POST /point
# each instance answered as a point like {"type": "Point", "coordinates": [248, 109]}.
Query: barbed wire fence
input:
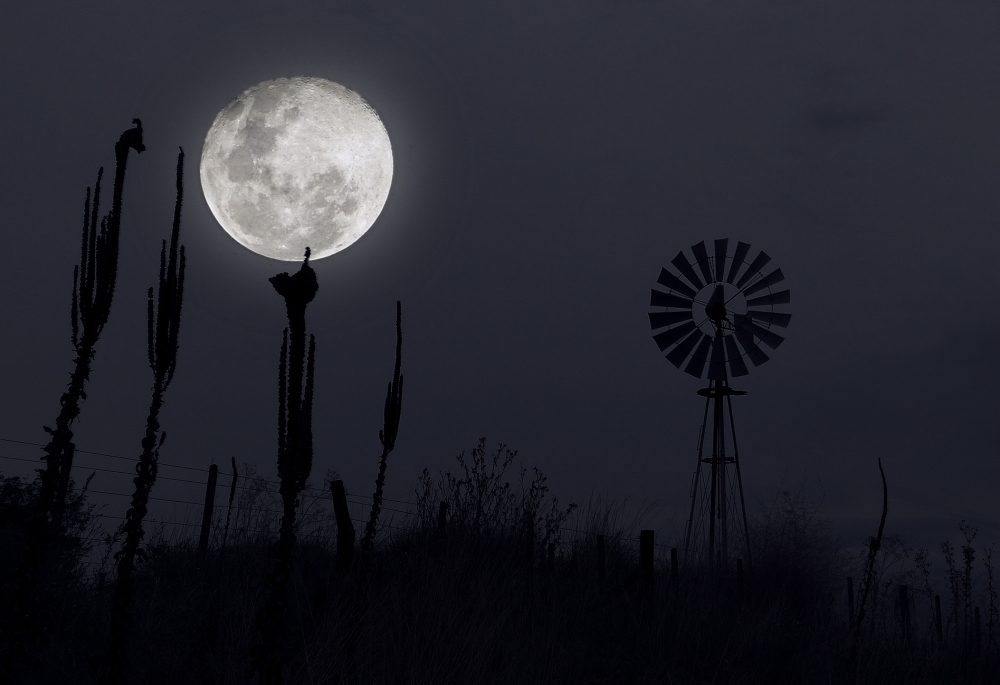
{"type": "Point", "coordinates": [183, 524]}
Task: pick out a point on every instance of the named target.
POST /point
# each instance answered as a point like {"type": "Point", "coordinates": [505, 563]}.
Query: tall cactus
{"type": "Point", "coordinates": [387, 436]}
{"type": "Point", "coordinates": [295, 397]}
{"type": "Point", "coordinates": [93, 290]}
{"type": "Point", "coordinates": [163, 324]}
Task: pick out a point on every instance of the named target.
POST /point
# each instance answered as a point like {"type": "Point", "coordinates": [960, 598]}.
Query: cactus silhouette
{"type": "Point", "coordinates": [387, 436]}
{"type": "Point", "coordinates": [295, 396]}
{"type": "Point", "coordinates": [93, 290]}
{"type": "Point", "coordinates": [163, 324]}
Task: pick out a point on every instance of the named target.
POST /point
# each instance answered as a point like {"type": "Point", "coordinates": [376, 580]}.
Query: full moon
{"type": "Point", "coordinates": [295, 163]}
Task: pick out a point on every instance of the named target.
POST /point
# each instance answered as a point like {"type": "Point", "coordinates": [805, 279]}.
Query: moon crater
{"type": "Point", "coordinates": [295, 163]}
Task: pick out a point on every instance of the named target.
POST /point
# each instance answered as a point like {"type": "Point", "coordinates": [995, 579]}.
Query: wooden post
{"type": "Point", "coordinates": [601, 561]}
{"type": "Point", "coordinates": [646, 555]}
{"type": "Point", "coordinates": [850, 601]}
{"type": "Point", "coordinates": [442, 519]}
{"type": "Point", "coordinates": [345, 527]}
{"type": "Point", "coordinates": [206, 516]}
{"type": "Point", "coordinates": [550, 562]}
{"type": "Point", "coordinates": [938, 628]}
{"type": "Point", "coordinates": [904, 610]}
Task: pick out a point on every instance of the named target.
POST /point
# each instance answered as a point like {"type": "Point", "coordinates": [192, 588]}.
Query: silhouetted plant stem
{"type": "Point", "coordinates": [229, 511]}
{"type": "Point", "coordinates": [163, 325]}
{"type": "Point", "coordinates": [93, 290]}
{"type": "Point", "coordinates": [294, 461]}
{"type": "Point", "coordinates": [387, 436]}
{"type": "Point", "coordinates": [874, 544]}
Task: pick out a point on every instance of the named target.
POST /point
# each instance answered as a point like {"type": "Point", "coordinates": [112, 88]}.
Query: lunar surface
{"type": "Point", "coordinates": [295, 163]}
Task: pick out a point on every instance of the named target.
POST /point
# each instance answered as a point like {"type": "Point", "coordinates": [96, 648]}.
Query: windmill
{"type": "Point", "coordinates": [709, 317]}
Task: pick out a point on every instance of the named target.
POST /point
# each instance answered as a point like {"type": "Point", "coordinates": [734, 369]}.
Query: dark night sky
{"type": "Point", "coordinates": [550, 157]}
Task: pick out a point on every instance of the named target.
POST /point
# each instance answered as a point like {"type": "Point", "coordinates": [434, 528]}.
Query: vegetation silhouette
{"type": "Point", "coordinates": [295, 454]}
{"type": "Point", "coordinates": [465, 611]}
{"type": "Point", "coordinates": [452, 593]}
{"type": "Point", "coordinates": [391, 413]}
{"type": "Point", "coordinates": [163, 316]}
{"type": "Point", "coordinates": [94, 281]}
{"type": "Point", "coordinates": [874, 544]}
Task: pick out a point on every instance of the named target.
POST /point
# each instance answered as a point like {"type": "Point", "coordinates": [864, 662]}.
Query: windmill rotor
{"type": "Point", "coordinates": [715, 311]}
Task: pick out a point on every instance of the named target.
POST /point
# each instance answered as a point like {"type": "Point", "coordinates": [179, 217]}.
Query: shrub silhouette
{"type": "Point", "coordinates": [466, 611]}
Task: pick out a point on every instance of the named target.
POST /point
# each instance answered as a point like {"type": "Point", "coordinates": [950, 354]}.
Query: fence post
{"type": "Point", "coordinates": [646, 555]}
{"type": "Point", "coordinates": [674, 567]}
{"type": "Point", "coordinates": [442, 519]}
{"type": "Point", "coordinates": [206, 516]}
{"type": "Point", "coordinates": [850, 602]}
{"type": "Point", "coordinates": [345, 527]}
{"type": "Point", "coordinates": [937, 619]}
{"type": "Point", "coordinates": [601, 561]}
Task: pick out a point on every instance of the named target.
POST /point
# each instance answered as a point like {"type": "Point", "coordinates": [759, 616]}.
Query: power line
{"type": "Point", "coordinates": [168, 464]}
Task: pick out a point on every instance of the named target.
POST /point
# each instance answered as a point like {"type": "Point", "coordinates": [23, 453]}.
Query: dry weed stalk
{"type": "Point", "coordinates": [873, 547]}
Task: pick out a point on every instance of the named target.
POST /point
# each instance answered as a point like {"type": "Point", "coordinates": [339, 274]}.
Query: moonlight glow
{"type": "Point", "coordinates": [295, 163]}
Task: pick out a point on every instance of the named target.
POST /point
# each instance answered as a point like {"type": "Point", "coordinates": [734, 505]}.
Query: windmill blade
{"type": "Point", "coordinates": [754, 352]}
{"type": "Point", "coordinates": [769, 338]}
{"type": "Point", "coordinates": [717, 365]}
{"type": "Point", "coordinates": [772, 318]}
{"type": "Point", "coordinates": [701, 256]}
{"type": "Point", "coordinates": [774, 277]}
{"type": "Point", "coordinates": [721, 247]}
{"type": "Point", "coordinates": [735, 358]}
{"type": "Point", "coordinates": [696, 366]}
{"type": "Point", "coordinates": [755, 266]}
{"type": "Point", "coordinates": [683, 349]}
{"type": "Point", "coordinates": [672, 335]}
{"type": "Point", "coordinates": [684, 266]}
{"type": "Point", "coordinates": [661, 299]}
{"type": "Point", "coordinates": [670, 281]}
{"type": "Point", "coordinates": [741, 254]}
{"type": "Point", "coordinates": [663, 319]}
{"type": "Point", "coordinates": [782, 297]}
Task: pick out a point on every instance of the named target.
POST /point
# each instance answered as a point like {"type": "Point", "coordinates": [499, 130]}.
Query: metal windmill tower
{"type": "Point", "coordinates": [710, 315]}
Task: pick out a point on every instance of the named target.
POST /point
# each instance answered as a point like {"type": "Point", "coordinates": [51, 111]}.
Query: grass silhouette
{"type": "Point", "coordinates": [471, 607]}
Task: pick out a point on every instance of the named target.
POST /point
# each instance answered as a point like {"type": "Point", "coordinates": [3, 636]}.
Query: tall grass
{"type": "Point", "coordinates": [475, 608]}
